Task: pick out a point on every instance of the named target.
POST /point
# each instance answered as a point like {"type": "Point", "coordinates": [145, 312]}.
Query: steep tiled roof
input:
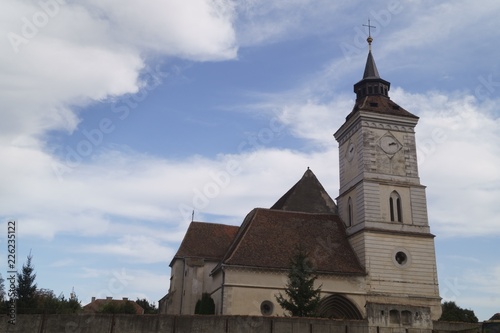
{"type": "Point", "coordinates": [371, 71]}
{"type": "Point", "coordinates": [307, 195]}
{"type": "Point", "coordinates": [206, 240]}
{"type": "Point", "coordinates": [381, 105]}
{"type": "Point", "coordinates": [269, 237]}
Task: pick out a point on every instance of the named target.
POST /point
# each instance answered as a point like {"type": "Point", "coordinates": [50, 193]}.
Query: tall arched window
{"type": "Point", "coordinates": [395, 207]}
{"type": "Point", "coordinates": [349, 212]}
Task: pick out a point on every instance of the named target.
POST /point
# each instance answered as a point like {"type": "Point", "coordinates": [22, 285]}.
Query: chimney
{"type": "Point", "coordinates": [93, 298]}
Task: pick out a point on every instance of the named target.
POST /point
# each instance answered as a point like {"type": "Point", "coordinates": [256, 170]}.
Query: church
{"type": "Point", "coordinates": [371, 247]}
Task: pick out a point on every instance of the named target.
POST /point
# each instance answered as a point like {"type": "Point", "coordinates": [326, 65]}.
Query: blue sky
{"type": "Point", "coordinates": [120, 117]}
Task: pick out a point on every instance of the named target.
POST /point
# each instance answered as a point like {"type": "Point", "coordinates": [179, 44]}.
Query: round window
{"type": "Point", "coordinates": [401, 258]}
{"type": "Point", "coordinates": [266, 308]}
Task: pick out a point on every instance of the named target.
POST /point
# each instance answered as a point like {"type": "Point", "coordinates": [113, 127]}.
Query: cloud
{"type": "Point", "coordinates": [60, 57]}
{"type": "Point", "coordinates": [197, 30]}
{"type": "Point", "coordinates": [66, 55]}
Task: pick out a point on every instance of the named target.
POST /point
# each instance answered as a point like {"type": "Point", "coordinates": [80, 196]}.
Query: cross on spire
{"type": "Point", "coordinates": [369, 39]}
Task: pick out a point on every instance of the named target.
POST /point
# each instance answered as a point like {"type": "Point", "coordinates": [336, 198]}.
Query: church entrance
{"type": "Point", "coordinates": [338, 307]}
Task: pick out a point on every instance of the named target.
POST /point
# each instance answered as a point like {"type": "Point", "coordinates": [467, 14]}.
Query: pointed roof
{"type": "Point", "coordinates": [371, 71]}
{"type": "Point", "coordinates": [372, 92]}
{"type": "Point", "coordinates": [307, 195]}
{"type": "Point", "coordinates": [371, 84]}
{"type": "Point", "coordinates": [268, 237]}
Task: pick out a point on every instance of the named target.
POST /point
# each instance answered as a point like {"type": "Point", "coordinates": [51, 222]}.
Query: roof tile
{"type": "Point", "coordinates": [272, 235]}
{"type": "Point", "coordinates": [206, 240]}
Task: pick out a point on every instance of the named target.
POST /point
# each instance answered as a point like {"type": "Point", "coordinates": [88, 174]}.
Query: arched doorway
{"type": "Point", "coordinates": [338, 307]}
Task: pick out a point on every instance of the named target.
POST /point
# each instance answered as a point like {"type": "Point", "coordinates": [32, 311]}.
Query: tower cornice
{"type": "Point", "coordinates": [374, 120]}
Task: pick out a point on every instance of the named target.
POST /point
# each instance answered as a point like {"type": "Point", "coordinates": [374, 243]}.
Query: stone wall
{"type": "Point", "coordinates": [445, 326]}
{"type": "Point", "coordinates": [88, 323]}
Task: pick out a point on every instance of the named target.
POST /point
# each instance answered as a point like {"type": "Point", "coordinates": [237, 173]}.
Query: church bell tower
{"type": "Point", "coordinates": [383, 204]}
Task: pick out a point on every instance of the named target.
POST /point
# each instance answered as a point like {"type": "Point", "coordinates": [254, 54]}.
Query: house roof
{"type": "Point", "coordinates": [496, 316]}
{"type": "Point", "coordinates": [307, 195]}
{"type": "Point", "coordinates": [268, 238]}
{"type": "Point", "coordinates": [206, 240]}
{"type": "Point", "coordinates": [97, 305]}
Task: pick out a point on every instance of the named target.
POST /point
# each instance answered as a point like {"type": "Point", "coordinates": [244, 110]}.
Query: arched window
{"type": "Point", "coordinates": [395, 207]}
{"type": "Point", "coordinates": [349, 212]}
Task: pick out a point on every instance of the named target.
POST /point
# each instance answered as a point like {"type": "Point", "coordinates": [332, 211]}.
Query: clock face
{"type": "Point", "coordinates": [389, 144]}
{"type": "Point", "coordinates": [350, 152]}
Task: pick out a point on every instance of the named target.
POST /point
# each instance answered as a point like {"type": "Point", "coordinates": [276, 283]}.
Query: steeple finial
{"type": "Point", "coordinates": [369, 39]}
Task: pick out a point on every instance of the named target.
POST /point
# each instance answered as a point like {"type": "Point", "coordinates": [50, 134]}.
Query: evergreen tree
{"type": "Point", "coordinates": [3, 301]}
{"type": "Point", "coordinates": [2, 288]}
{"type": "Point", "coordinates": [452, 312]}
{"type": "Point", "coordinates": [205, 306]}
{"type": "Point", "coordinates": [26, 288]}
{"type": "Point", "coordinates": [303, 299]}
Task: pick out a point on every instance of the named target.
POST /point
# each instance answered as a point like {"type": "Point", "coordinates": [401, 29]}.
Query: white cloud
{"type": "Point", "coordinates": [61, 55]}
{"type": "Point", "coordinates": [198, 30]}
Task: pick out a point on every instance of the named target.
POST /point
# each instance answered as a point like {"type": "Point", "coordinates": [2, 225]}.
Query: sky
{"type": "Point", "coordinates": [119, 118]}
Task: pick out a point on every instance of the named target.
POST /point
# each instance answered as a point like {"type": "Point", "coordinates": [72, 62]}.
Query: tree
{"type": "Point", "coordinates": [26, 288]}
{"type": "Point", "coordinates": [3, 305]}
{"type": "Point", "coordinates": [47, 302]}
{"type": "Point", "coordinates": [452, 312]}
{"type": "Point", "coordinates": [205, 305]}
{"type": "Point", "coordinates": [303, 299]}
{"type": "Point", "coordinates": [2, 288]}
{"type": "Point", "coordinates": [113, 307]}
{"type": "Point", "coordinates": [149, 308]}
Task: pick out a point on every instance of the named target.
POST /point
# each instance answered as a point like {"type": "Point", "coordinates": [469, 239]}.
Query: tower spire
{"type": "Point", "coordinates": [372, 83]}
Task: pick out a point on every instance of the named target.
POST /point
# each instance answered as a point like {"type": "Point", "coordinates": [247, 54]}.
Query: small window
{"type": "Point", "coordinates": [395, 207]}
{"type": "Point", "coordinates": [406, 317]}
{"type": "Point", "coordinates": [349, 212]}
{"type": "Point", "coordinates": [394, 317]}
{"type": "Point", "coordinates": [401, 258]}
